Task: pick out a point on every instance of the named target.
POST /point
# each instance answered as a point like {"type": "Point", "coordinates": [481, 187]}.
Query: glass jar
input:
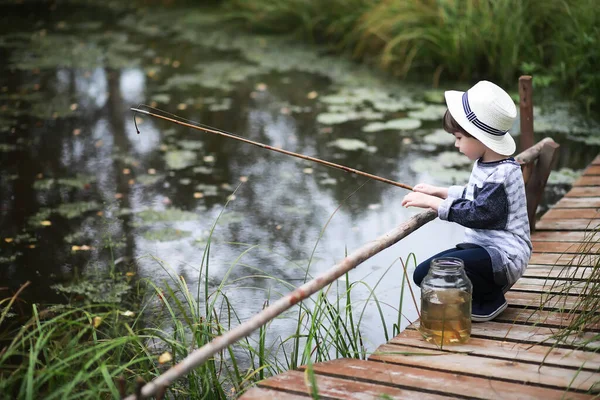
{"type": "Point", "coordinates": [446, 302]}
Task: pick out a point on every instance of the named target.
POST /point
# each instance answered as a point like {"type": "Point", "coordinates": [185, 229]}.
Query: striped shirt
{"type": "Point", "coordinates": [493, 209]}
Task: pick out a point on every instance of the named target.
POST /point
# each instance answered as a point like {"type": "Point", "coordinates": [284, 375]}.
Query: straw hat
{"type": "Point", "coordinates": [486, 112]}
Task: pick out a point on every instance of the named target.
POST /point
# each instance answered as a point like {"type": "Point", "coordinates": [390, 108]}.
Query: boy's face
{"type": "Point", "coordinates": [469, 146]}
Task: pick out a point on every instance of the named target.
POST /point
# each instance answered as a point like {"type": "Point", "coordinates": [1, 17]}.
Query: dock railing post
{"type": "Point", "coordinates": [526, 111]}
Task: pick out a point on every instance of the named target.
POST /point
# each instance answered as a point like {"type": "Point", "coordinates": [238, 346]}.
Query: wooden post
{"type": "Point", "coordinates": [534, 188]}
{"type": "Point", "coordinates": [526, 111]}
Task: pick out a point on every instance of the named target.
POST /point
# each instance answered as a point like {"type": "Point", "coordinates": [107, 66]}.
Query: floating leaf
{"type": "Point", "coordinates": [180, 159]}
{"type": "Point", "coordinates": [46, 223]}
{"type": "Point", "coordinates": [165, 357]}
{"type": "Point", "coordinates": [8, 240]}
{"type": "Point", "coordinates": [97, 321]}
{"type": "Point", "coordinates": [348, 144]}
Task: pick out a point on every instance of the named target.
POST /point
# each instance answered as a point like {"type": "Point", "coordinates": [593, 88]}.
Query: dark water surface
{"type": "Point", "coordinates": [81, 194]}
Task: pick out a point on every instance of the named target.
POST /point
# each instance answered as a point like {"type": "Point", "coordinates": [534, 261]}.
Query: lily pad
{"type": "Point", "coordinates": [348, 144]}
{"type": "Point", "coordinates": [148, 179]}
{"type": "Point", "coordinates": [434, 96]}
{"type": "Point", "coordinates": [166, 234]}
{"type": "Point", "coordinates": [394, 124]}
{"type": "Point", "coordinates": [191, 144]}
{"type": "Point", "coordinates": [168, 215]}
{"type": "Point", "coordinates": [332, 118]}
{"type": "Point", "coordinates": [78, 182]}
{"type": "Point", "coordinates": [74, 210]}
{"type": "Point", "coordinates": [180, 159]}
{"type": "Point", "coordinates": [439, 138]}
{"type": "Point", "coordinates": [429, 113]}
{"type": "Point", "coordinates": [207, 190]}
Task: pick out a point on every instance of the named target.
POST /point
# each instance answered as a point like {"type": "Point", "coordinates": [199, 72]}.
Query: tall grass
{"type": "Point", "coordinates": [584, 281]}
{"type": "Point", "coordinates": [80, 350]}
{"type": "Point", "coordinates": [556, 40]}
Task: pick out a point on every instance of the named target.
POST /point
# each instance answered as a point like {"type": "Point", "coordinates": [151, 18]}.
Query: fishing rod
{"type": "Point", "coordinates": [205, 128]}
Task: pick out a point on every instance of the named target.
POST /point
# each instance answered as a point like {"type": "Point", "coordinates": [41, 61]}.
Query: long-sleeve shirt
{"type": "Point", "coordinates": [493, 209]}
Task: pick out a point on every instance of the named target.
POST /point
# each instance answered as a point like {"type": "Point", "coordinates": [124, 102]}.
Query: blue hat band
{"type": "Point", "coordinates": [473, 118]}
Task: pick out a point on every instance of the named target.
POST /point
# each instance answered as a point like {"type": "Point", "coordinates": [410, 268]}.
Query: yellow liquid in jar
{"type": "Point", "coordinates": [446, 317]}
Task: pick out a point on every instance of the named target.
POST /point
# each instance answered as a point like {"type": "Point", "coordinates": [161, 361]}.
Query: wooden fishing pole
{"type": "Point", "coordinates": [209, 129]}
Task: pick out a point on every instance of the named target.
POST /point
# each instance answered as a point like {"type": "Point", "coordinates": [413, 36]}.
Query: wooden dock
{"type": "Point", "coordinates": [512, 357]}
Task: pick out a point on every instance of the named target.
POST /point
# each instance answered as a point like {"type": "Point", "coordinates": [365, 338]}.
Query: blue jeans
{"type": "Point", "coordinates": [478, 266]}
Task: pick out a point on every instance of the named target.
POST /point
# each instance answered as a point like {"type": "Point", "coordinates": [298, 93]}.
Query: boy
{"type": "Point", "coordinates": [492, 206]}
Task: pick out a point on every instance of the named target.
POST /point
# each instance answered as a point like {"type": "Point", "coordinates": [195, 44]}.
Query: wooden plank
{"type": "Point", "coordinates": [562, 236]}
{"type": "Point", "coordinates": [565, 247]}
{"type": "Point", "coordinates": [578, 202]}
{"type": "Point", "coordinates": [592, 170]}
{"type": "Point", "coordinates": [577, 213]}
{"type": "Point", "coordinates": [524, 352]}
{"type": "Point", "coordinates": [541, 318]}
{"type": "Point", "coordinates": [337, 388]}
{"type": "Point", "coordinates": [527, 334]}
{"type": "Point", "coordinates": [568, 224]}
{"type": "Point", "coordinates": [513, 371]}
{"type": "Point", "coordinates": [545, 301]}
{"type": "Point", "coordinates": [584, 191]}
{"type": "Point", "coordinates": [593, 180]}
{"type": "Point", "coordinates": [581, 260]}
{"type": "Point", "coordinates": [559, 272]}
{"type": "Point", "coordinates": [596, 161]}
{"type": "Point", "coordinates": [550, 286]}
{"type": "Point", "coordinates": [434, 381]}
{"type": "Point", "coordinates": [257, 393]}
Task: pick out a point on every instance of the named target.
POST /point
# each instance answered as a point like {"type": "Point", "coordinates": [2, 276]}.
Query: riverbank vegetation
{"type": "Point", "coordinates": [556, 41]}
{"type": "Point", "coordinates": [86, 348]}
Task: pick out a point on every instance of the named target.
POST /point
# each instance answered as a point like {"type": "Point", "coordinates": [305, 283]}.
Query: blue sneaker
{"type": "Point", "coordinates": [487, 311]}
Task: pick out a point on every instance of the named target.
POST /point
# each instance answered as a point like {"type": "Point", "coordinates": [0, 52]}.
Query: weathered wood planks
{"type": "Point", "coordinates": [516, 356]}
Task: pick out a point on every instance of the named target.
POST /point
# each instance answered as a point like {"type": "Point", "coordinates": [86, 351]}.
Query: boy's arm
{"type": "Point", "coordinates": [488, 209]}
{"type": "Point", "coordinates": [455, 192]}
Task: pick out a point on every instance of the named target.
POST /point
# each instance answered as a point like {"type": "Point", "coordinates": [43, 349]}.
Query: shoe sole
{"type": "Point", "coordinates": [485, 318]}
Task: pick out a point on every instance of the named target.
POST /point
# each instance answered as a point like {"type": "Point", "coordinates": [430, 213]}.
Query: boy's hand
{"type": "Point", "coordinates": [422, 200]}
{"type": "Point", "coordinates": [431, 190]}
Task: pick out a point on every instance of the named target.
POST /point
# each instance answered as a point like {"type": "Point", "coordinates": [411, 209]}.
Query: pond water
{"type": "Point", "coordinates": [80, 190]}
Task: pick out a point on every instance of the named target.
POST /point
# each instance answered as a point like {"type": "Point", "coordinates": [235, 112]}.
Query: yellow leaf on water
{"type": "Point", "coordinates": [75, 248]}
{"type": "Point", "coordinates": [165, 357]}
{"type": "Point", "coordinates": [139, 120]}
{"type": "Point", "coordinates": [118, 196]}
{"type": "Point", "coordinates": [243, 179]}
{"type": "Point", "coordinates": [97, 321]}
{"type": "Point", "coordinates": [198, 195]}
{"type": "Point", "coordinates": [74, 106]}
{"type": "Point", "coordinates": [151, 171]}
{"type": "Point", "coordinates": [175, 64]}
{"type": "Point", "coordinates": [181, 106]}
{"type": "Point", "coordinates": [126, 171]}
{"type": "Point", "coordinates": [76, 132]}
{"type": "Point", "coordinates": [261, 87]}
{"type": "Point", "coordinates": [46, 223]}
{"type": "Point", "coordinates": [130, 274]}
{"type": "Point", "coordinates": [307, 170]}
{"type": "Point", "coordinates": [32, 246]}
{"type": "Point", "coordinates": [312, 95]}
{"type": "Point", "coordinates": [8, 240]}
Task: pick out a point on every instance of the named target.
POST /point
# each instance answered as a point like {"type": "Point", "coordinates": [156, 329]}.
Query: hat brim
{"type": "Point", "coordinates": [504, 145]}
